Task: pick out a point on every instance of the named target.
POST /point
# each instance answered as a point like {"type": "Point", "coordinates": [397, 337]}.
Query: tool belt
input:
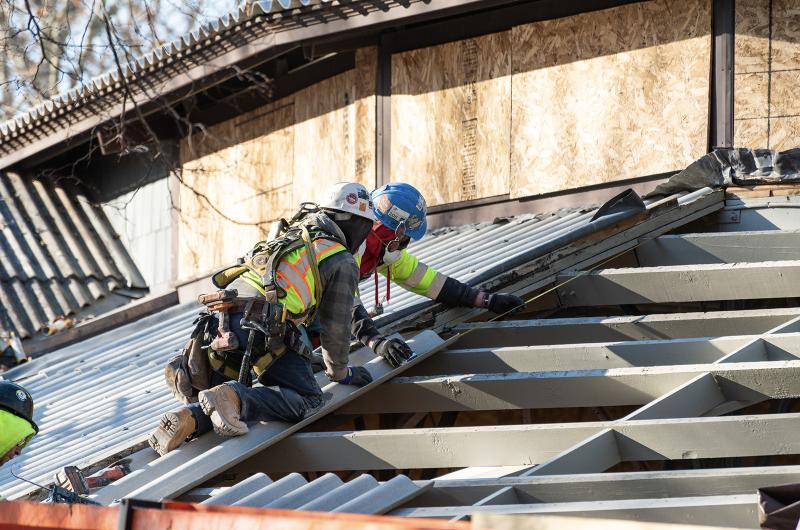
{"type": "Point", "coordinates": [189, 372]}
{"type": "Point", "coordinates": [277, 334]}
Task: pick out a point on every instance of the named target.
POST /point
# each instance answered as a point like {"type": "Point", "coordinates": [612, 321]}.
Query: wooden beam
{"type": "Point", "coordinates": [682, 283]}
{"type": "Point", "coordinates": [612, 329]}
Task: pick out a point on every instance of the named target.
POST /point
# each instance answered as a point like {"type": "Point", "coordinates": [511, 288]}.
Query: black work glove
{"type": "Point", "coordinates": [395, 351]}
{"type": "Point", "coordinates": [500, 303]}
{"type": "Point", "coordinates": [356, 376]}
{"type": "Point", "coordinates": [317, 363]}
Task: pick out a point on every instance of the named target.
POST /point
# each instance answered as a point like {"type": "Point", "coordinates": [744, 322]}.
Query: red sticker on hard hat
{"type": "Point", "coordinates": [351, 198]}
{"type": "Point", "coordinates": [363, 206]}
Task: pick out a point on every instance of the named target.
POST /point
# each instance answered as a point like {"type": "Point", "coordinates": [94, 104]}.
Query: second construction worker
{"type": "Point", "coordinates": [308, 270]}
{"type": "Point", "coordinates": [400, 212]}
{"type": "Point", "coordinates": [16, 420]}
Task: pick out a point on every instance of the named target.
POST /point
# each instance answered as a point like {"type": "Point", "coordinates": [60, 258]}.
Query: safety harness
{"type": "Point", "coordinates": [279, 269]}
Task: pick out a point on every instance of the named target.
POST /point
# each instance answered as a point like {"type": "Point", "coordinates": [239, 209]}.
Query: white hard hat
{"type": "Point", "coordinates": [349, 197]}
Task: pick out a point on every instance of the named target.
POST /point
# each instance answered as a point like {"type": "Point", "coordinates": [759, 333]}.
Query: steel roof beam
{"type": "Point", "coordinates": [674, 439]}
{"type": "Point", "coordinates": [720, 247]}
{"type": "Point", "coordinates": [589, 356]}
{"type": "Point", "coordinates": [705, 394]}
{"type": "Point", "coordinates": [610, 329]}
{"type": "Point", "coordinates": [613, 486]}
{"type": "Point", "coordinates": [732, 511]}
{"type": "Point", "coordinates": [577, 388]}
{"type": "Point", "coordinates": [681, 283]}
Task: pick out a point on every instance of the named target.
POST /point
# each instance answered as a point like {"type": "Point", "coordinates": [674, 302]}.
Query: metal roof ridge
{"type": "Point", "coordinates": [155, 58]}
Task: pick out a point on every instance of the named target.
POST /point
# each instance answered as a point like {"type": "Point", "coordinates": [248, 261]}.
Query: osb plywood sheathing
{"type": "Point", "coordinates": [450, 122]}
{"type": "Point", "coordinates": [767, 67]}
{"type": "Point", "coordinates": [244, 173]}
{"type": "Point", "coordinates": [609, 95]}
{"type": "Point", "coordinates": [335, 130]}
{"type": "Point", "coordinates": [238, 177]}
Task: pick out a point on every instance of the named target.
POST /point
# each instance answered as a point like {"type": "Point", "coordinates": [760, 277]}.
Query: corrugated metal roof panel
{"type": "Point", "coordinates": [328, 493]}
{"type": "Point", "coordinates": [98, 397]}
{"type": "Point", "coordinates": [58, 254]}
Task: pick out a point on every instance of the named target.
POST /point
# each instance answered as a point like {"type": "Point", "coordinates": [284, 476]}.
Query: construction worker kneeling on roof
{"type": "Point", "coordinates": [305, 270]}
{"type": "Point", "coordinates": [16, 420]}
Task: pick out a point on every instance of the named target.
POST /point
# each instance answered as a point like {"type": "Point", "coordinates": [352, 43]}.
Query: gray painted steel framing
{"type": "Point", "coordinates": [681, 283]}
{"type": "Point", "coordinates": [727, 511]}
{"type": "Point", "coordinates": [557, 331]}
{"type": "Point", "coordinates": [611, 486]}
{"type": "Point", "coordinates": [453, 447]}
{"type": "Point", "coordinates": [721, 247]}
{"type": "Point", "coordinates": [705, 394]}
{"type": "Point", "coordinates": [579, 388]}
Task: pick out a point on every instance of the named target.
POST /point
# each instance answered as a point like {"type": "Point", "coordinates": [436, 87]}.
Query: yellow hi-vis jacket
{"type": "Point", "coordinates": [411, 274]}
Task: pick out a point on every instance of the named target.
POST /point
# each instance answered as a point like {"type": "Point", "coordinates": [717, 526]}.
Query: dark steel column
{"type": "Point", "coordinates": [722, 73]}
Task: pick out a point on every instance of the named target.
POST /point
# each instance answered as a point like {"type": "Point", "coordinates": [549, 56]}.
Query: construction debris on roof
{"type": "Point", "coordinates": [120, 373]}
{"type": "Point", "coordinates": [58, 254]}
{"type": "Point", "coordinates": [739, 167]}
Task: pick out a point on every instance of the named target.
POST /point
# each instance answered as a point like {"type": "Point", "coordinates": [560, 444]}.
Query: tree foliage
{"type": "Point", "coordinates": [51, 46]}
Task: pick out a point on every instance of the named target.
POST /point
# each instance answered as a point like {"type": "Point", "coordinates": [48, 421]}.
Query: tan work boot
{"type": "Point", "coordinates": [174, 428]}
{"type": "Point", "coordinates": [222, 405]}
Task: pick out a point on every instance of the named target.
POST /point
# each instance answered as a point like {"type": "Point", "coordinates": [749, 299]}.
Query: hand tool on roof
{"type": "Point", "coordinates": [72, 479]}
{"type": "Point", "coordinates": [57, 494]}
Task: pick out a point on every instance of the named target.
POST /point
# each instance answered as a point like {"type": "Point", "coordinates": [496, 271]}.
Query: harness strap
{"type": "Point", "coordinates": [312, 259]}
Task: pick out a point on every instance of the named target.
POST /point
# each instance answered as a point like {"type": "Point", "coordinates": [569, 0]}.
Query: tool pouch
{"type": "Point", "coordinates": [189, 372]}
{"type": "Point", "coordinates": [222, 302]}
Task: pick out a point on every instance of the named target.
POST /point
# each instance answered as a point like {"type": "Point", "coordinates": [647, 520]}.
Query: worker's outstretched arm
{"type": "Point", "coordinates": [339, 275]}
{"type": "Point", "coordinates": [413, 275]}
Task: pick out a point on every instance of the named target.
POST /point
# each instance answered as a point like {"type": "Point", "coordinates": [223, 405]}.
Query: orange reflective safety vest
{"type": "Point", "coordinates": [296, 279]}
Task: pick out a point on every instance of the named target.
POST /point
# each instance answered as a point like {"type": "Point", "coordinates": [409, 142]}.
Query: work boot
{"type": "Point", "coordinates": [174, 428]}
{"type": "Point", "coordinates": [222, 405]}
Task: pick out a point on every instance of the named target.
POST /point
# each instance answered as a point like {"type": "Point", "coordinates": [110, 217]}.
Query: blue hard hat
{"type": "Point", "coordinates": [398, 202]}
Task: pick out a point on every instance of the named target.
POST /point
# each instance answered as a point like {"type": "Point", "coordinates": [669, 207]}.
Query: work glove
{"type": "Point", "coordinates": [317, 363]}
{"type": "Point", "coordinates": [395, 351]}
{"type": "Point", "coordinates": [500, 303]}
{"type": "Point", "coordinates": [356, 376]}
